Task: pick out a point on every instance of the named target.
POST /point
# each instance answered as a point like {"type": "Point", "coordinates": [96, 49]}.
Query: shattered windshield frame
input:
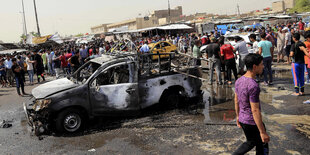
{"type": "Point", "coordinates": [85, 72]}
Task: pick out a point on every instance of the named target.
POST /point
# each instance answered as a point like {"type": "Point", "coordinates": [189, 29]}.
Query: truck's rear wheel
{"type": "Point", "coordinates": [70, 121]}
{"type": "Point", "coordinates": [171, 99]}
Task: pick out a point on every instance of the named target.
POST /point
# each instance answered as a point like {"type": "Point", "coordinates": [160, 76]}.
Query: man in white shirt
{"type": "Point", "coordinates": [9, 73]}
{"type": "Point", "coordinates": [30, 68]}
{"type": "Point", "coordinates": [288, 43]}
{"type": "Point", "coordinates": [242, 49]}
{"type": "Point", "coordinates": [252, 38]}
{"type": "Point", "coordinates": [145, 48]}
{"type": "Point", "coordinates": [101, 50]}
{"type": "Point", "coordinates": [50, 62]}
{"type": "Point", "coordinates": [280, 44]}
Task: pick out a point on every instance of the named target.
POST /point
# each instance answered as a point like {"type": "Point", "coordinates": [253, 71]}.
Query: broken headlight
{"type": "Point", "coordinates": [41, 104]}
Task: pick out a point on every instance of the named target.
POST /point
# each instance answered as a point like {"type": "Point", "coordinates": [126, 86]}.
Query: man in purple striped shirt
{"type": "Point", "coordinates": [247, 106]}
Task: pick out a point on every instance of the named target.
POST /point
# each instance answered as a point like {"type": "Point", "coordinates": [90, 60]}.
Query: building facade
{"type": "Point", "coordinates": [156, 18]}
{"type": "Point", "coordinates": [278, 6]}
{"type": "Point", "coordinates": [99, 29]}
{"type": "Point", "coordinates": [133, 24]}
{"type": "Point", "coordinates": [289, 4]}
{"type": "Point", "coordinates": [283, 5]}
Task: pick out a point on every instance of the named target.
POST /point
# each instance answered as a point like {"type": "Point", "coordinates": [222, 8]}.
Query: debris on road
{"type": "Point", "coordinates": [6, 124]}
{"type": "Point", "coordinates": [92, 150]}
{"type": "Point", "coordinates": [307, 102]}
{"type": "Point", "coordinates": [281, 88]}
{"type": "Point", "coordinates": [40, 138]}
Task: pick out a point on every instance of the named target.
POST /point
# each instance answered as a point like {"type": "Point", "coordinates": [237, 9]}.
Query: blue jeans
{"type": "Point", "coordinates": [267, 69]}
{"type": "Point", "coordinates": [215, 64]}
{"type": "Point", "coordinates": [50, 67]}
{"type": "Point", "coordinates": [19, 84]}
{"type": "Point", "coordinates": [298, 71]}
{"type": "Point", "coordinates": [30, 73]}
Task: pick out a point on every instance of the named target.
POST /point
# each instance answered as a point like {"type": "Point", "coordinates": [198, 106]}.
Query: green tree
{"type": "Point", "coordinates": [35, 34]}
{"type": "Point", "coordinates": [79, 35]}
{"type": "Point", "coordinates": [301, 6]}
{"type": "Point", "coordinates": [23, 36]}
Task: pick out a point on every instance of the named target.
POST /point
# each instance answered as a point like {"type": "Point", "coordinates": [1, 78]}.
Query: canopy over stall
{"type": "Point", "coordinates": [40, 40]}
{"type": "Point", "coordinates": [165, 27]}
{"type": "Point", "coordinates": [9, 48]}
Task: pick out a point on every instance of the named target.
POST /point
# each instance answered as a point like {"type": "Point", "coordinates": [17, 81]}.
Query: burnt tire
{"type": "Point", "coordinates": [69, 121]}
{"type": "Point", "coordinates": [171, 99]}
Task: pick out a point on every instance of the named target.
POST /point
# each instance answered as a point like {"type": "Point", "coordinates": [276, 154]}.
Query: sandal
{"type": "Point", "coordinates": [295, 94]}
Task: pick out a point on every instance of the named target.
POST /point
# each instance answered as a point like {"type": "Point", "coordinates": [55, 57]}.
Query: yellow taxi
{"type": "Point", "coordinates": [162, 47]}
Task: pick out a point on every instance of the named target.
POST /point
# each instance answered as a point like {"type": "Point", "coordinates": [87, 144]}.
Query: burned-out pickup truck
{"type": "Point", "coordinates": [106, 86]}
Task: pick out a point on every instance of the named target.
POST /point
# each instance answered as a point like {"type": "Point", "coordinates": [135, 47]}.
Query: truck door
{"type": "Point", "coordinates": [115, 89]}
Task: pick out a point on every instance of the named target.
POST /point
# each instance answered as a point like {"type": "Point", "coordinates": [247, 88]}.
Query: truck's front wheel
{"type": "Point", "coordinates": [69, 120]}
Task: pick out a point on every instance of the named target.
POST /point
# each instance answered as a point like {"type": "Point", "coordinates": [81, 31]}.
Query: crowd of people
{"type": "Point", "coordinates": [68, 57]}
{"type": "Point", "coordinates": [280, 38]}
{"type": "Point", "coordinates": [247, 89]}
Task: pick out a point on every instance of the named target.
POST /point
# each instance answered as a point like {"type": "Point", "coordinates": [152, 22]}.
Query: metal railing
{"type": "Point", "coordinates": [148, 65]}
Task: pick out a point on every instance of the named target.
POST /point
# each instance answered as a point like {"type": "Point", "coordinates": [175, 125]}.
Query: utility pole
{"type": "Point", "coordinates": [35, 11]}
{"type": "Point", "coordinates": [238, 10]}
{"type": "Point", "coordinates": [169, 17]}
{"type": "Point", "coordinates": [25, 26]}
{"type": "Point", "coordinates": [21, 13]}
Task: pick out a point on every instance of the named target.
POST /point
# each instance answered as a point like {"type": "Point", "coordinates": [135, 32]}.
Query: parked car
{"type": "Point", "coordinates": [105, 86]}
{"type": "Point", "coordinates": [162, 47]}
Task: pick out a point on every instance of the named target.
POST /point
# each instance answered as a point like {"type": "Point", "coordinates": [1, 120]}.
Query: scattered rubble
{"type": "Point", "coordinates": [92, 150]}
{"type": "Point", "coordinates": [6, 124]}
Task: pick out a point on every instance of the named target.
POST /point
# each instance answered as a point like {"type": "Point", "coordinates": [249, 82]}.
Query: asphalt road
{"type": "Point", "coordinates": [206, 127]}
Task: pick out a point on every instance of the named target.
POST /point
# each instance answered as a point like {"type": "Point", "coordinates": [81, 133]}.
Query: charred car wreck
{"type": "Point", "coordinates": [106, 86]}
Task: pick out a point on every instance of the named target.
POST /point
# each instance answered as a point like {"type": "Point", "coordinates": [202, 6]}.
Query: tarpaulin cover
{"type": "Point", "coordinates": [175, 27]}
{"type": "Point", "coordinates": [40, 40]}
{"type": "Point", "coordinates": [56, 38]}
{"type": "Point", "coordinates": [166, 27]}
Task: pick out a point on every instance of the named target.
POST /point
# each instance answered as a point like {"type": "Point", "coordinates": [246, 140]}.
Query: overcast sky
{"type": "Point", "coordinates": [77, 16]}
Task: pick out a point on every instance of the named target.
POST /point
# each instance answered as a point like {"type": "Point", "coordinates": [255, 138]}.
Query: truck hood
{"type": "Point", "coordinates": [52, 87]}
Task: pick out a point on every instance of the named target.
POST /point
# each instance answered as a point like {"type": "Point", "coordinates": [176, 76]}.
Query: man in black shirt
{"type": "Point", "coordinates": [17, 70]}
{"type": "Point", "coordinates": [39, 65]}
{"type": "Point", "coordinates": [298, 52]}
{"type": "Point", "coordinates": [75, 61]}
{"type": "Point", "coordinates": [213, 53]}
{"type": "Point", "coordinates": [57, 63]}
